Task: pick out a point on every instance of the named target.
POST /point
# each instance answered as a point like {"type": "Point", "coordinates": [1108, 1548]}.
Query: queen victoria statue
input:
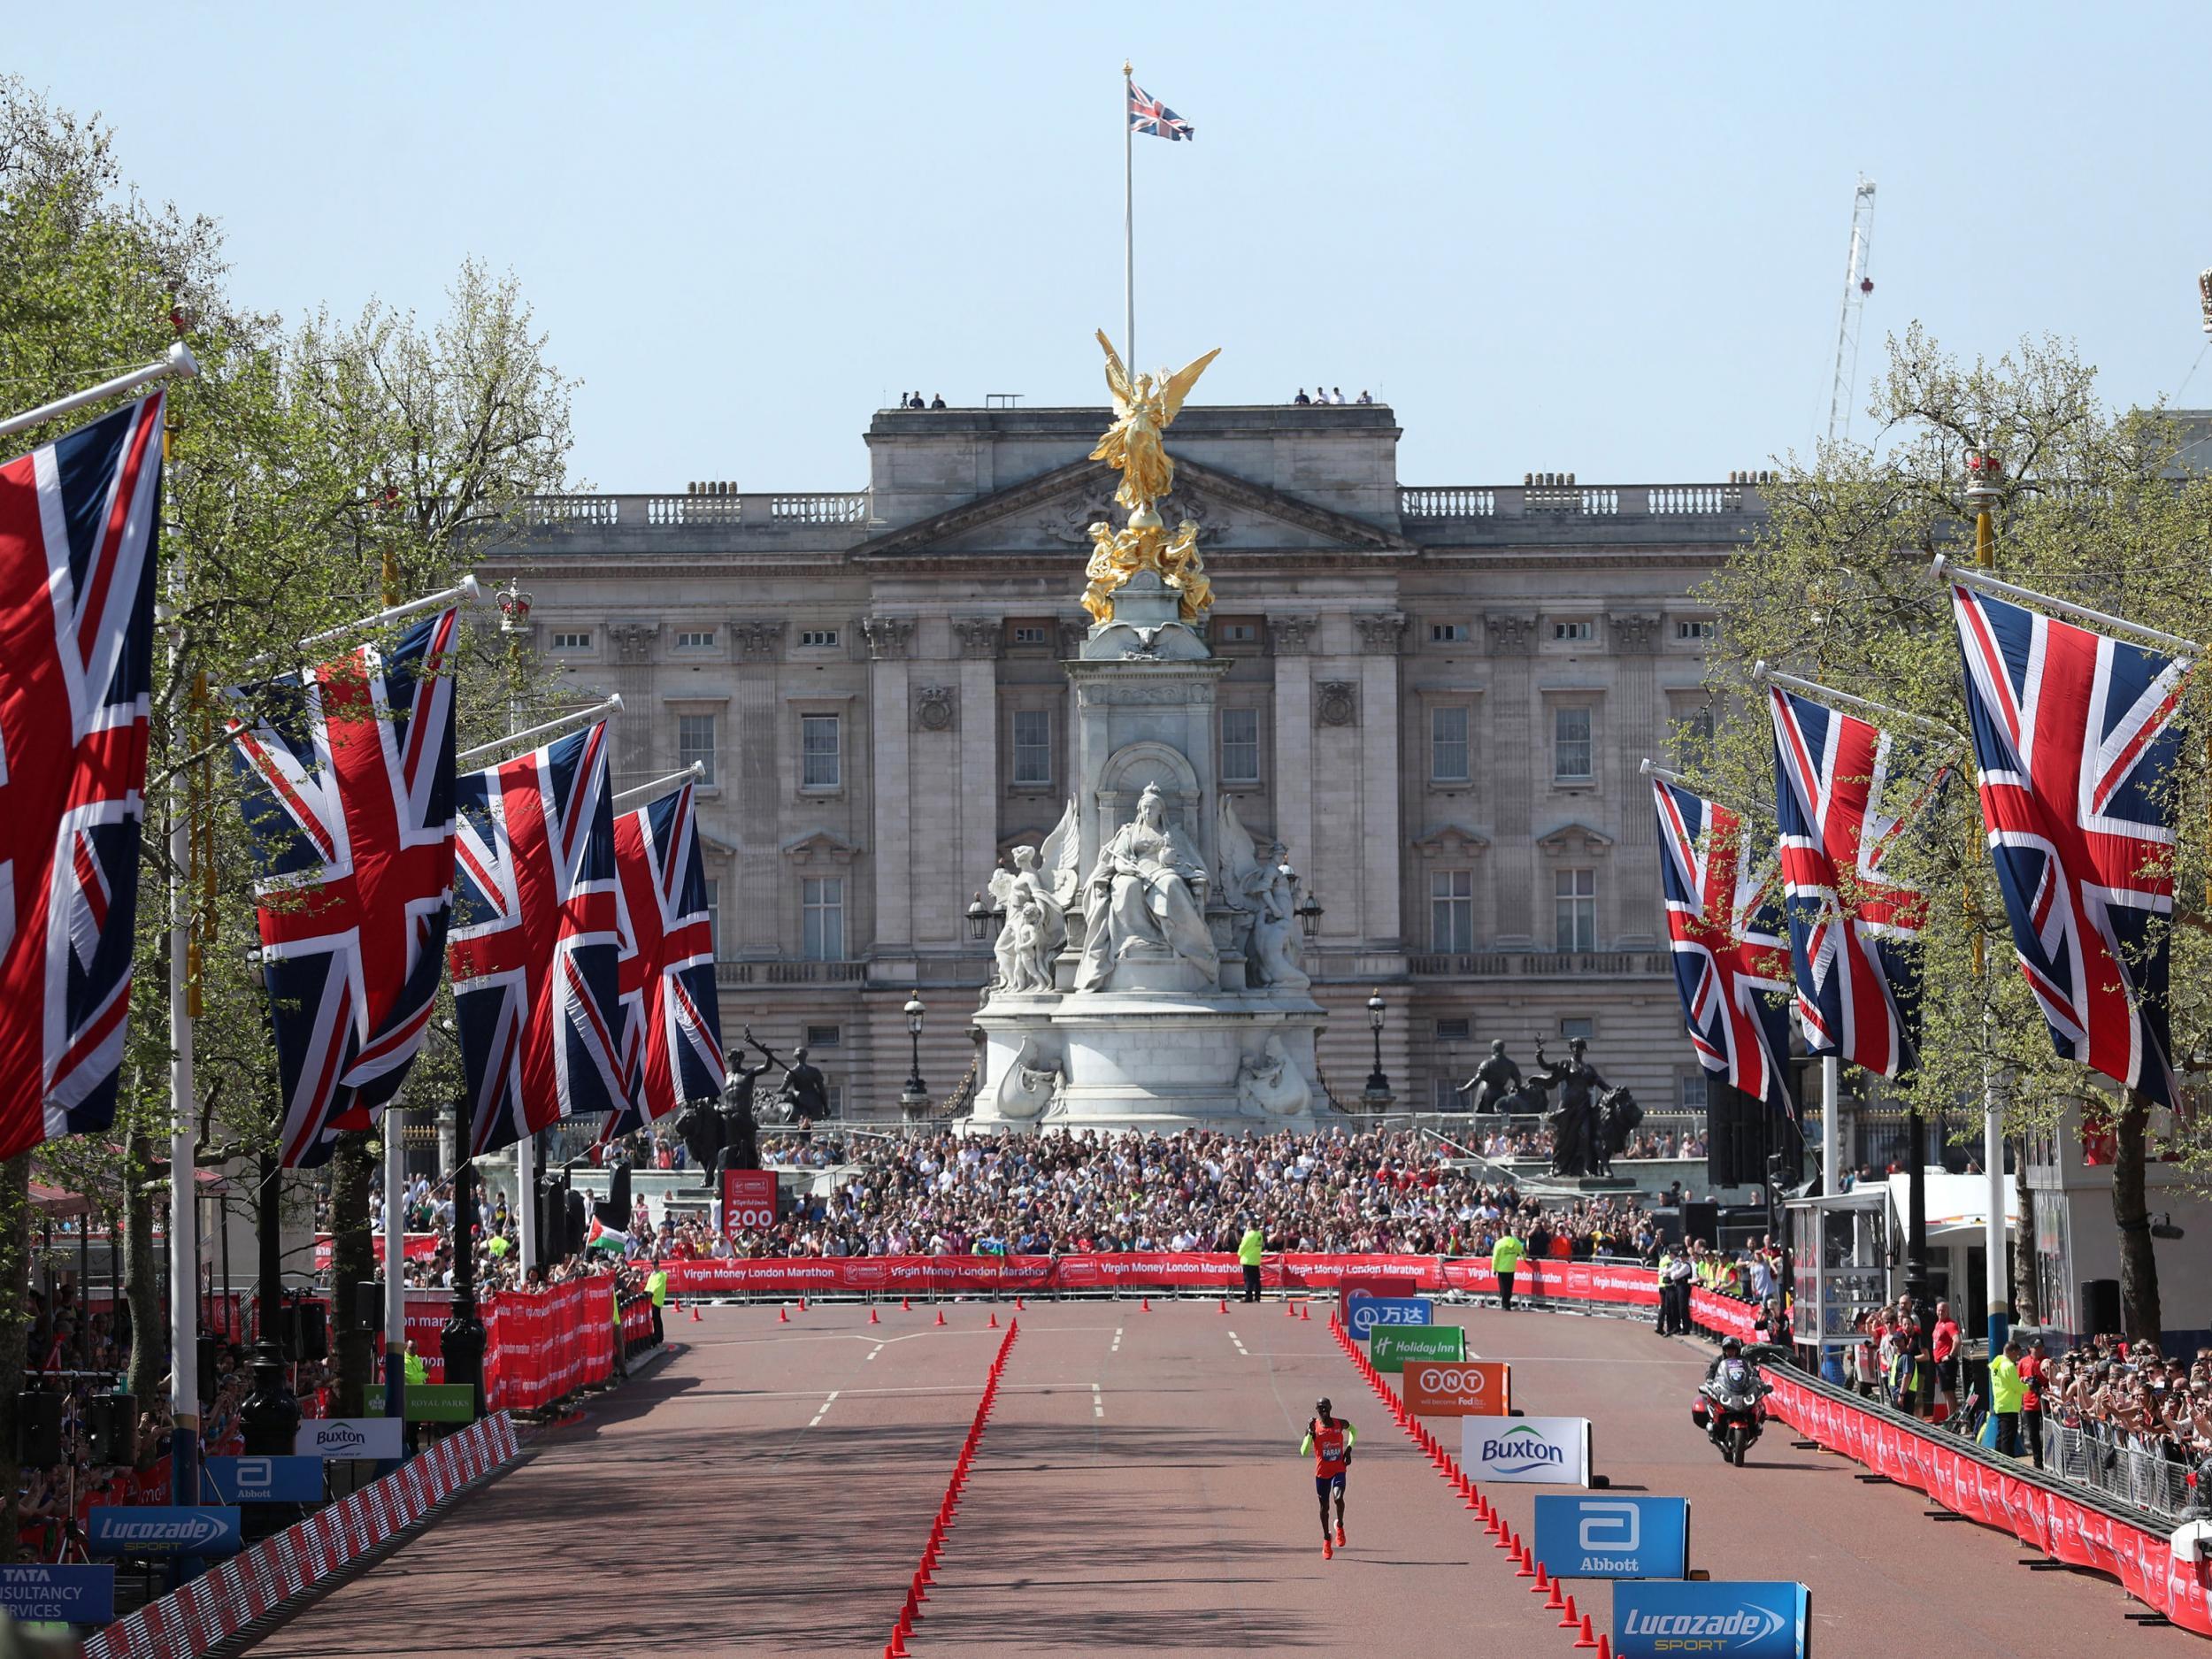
{"type": "Point", "coordinates": [1146, 896]}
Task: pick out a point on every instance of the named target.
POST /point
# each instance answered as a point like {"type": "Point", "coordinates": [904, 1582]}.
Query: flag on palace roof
{"type": "Point", "coordinates": [1147, 114]}
{"type": "Point", "coordinates": [78, 522]}
{"type": "Point", "coordinates": [2074, 741]}
{"type": "Point", "coordinates": [1845, 792]}
{"type": "Point", "coordinates": [346, 779]}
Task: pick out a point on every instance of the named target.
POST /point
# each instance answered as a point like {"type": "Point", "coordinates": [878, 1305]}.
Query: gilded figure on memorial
{"type": "Point", "coordinates": [1143, 409]}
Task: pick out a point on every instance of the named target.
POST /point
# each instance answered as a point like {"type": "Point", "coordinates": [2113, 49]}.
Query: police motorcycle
{"type": "Point", "coordinates": [1731, 1403]}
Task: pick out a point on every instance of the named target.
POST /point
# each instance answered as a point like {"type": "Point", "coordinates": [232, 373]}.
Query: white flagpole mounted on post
{"type": "Point", "coordinates": [176, 363]}
{"type": "Point", "coordinates": [1128, 221]}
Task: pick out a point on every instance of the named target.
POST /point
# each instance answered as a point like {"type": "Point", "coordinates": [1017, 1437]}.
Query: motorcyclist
{"type": "Point", "coordinates": [1731, 1349]}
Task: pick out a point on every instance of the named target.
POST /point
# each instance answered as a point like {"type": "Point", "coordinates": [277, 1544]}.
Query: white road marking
{"type": "Point", "coordinates": [1098, 1405]}
{"type": "Point", "coordinates": [1116, 1347]}
{"type": "Point", "coordinates": [1240, 1348]}
{"type": "Point", "coordinates": [827, 1404]}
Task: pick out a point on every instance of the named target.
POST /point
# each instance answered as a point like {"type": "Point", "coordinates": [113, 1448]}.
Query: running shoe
{"type": "Point", "coordinates": [1325, 1551]}
{"type": "Point", "coordinates": [1339, 1535]}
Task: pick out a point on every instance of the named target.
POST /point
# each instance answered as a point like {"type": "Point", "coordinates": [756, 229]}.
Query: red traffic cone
{"type": "Point", "coordinates": [694, 1314]}
{"type": "Point", "coordinates": [872, 1315]}
{"type": "Point", "coordinates": [1305, 1313]}
{"type": "Point", "coordinates": [1527, 1568]}
{"type": "Point", "coordinates": [1605, 1645]}
{"type": "Point", "coordinates": [941, 1316]}
{"type": "Point", "coordinates": [995, 1318]}
{"type": "Point", "coordinates": [1145, 1306]}
{"type": "Point", "coordinates": [1020, 1306]}
{"type": "Point", "coordinates": [1225, 1306]}
{"type": "Point", "coordinates": [783, 1315]}
{"type": "Point", "coordinates": [803, 1304]}
{"type": "Point", "coordinates": [906, 1304]}
{"type": "Point", "coordinates": [1588, 1638]}
{"type": "Point", "coordinates": [1289, 1310]}
{"type": "Point", "coordinates": [1558, 1602]}
{"type": "Point", "coordinates": [1572, 1616]}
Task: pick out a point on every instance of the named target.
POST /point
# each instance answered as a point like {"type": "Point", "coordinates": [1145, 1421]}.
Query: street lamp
{"type": "Point", "coordinates": [1309, 910]}
{"type": "Point", "coordinates": [463, 1343]}
{"type": "Point", "coordinates": [269, 1417]}
{"type": "Point", "coordinates": [1378, 1084]}
{"type": "Point", "coordinates": [915, 1098]}
{"type": "Point", "coordinates": [983, 920]}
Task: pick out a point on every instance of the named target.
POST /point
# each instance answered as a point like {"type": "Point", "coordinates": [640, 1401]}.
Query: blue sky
{"type": "Point", "coordinates": [1608, 241]}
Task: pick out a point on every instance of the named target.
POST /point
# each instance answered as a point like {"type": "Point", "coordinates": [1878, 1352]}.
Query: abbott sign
{"type": "Point", "coordinates": [1654, 1619]}
{"type": "Point", "coordinates": [1538, 1451]}
{"type": "Point", "coordinates": [1578, 1536]}
{"type": "Point", "coordinates": [1463, 1388]}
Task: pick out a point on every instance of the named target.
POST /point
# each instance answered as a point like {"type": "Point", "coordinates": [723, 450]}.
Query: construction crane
{"type": "Point", "coordinates": [1856, 286]}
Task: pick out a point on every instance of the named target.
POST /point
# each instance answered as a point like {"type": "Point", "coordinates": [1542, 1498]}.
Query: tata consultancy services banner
{"type": "Point", "coordinates": [1579, 1536]}
{"type": "Point", "coordinates": [35, 1593]}
{"type": "Point", "coordinates": [1536, 1451]}
{"type": "Point", "coordinates": [1654, 1619]}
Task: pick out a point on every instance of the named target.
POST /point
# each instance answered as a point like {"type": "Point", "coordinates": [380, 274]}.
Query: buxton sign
{"type": "Point", "coordinates": [378, 1438]}
{"type": "Point", "coordinates": [1542, 1451]}
{"type": "Point", "coordinates": [1464, 1389]}
{"type": "Point", "coordinates": [1394, 1349]}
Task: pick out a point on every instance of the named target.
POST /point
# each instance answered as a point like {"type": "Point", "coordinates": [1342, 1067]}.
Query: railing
{"type": "Point", "coordinates": [685, 509]}
{"type": "Point", "coordinates": [716, 505]}
{"type": "Point", "coordinates": [789, 973]}
{"type": "Point", "coordinates": [846, 507]}
{"type": "Point", "coordinates": [1554, 497]}
{"type": "Point", "coordinates": [2140, 1480]}
{"type": "Point", "coordinates": [1539, 963]}
{"type": "Point", "coordinates": [602, 510]}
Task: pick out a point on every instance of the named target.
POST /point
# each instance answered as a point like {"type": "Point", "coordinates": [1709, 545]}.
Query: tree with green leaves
{"type": "Point", "coordinates": [2096, 509]}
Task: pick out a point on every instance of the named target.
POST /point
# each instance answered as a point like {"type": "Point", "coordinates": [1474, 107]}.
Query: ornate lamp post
{"type": "Point", "coordinates": [464, 1334]}
{"type": "Point", "coordinates": [983, 920]}
{"type": "Point", "coordinates": [914, 1100]}
{"type": "Point", "coordinates": [1309, 910]}
{"type": "Point", "coordinates": [1378, 1096]}
{"type": "Point", "coordinates": [269, 1417]}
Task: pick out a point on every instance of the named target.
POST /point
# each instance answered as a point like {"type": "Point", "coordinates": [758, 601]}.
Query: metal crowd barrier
{"type": "Point", "coordinates": [2091, 1456]}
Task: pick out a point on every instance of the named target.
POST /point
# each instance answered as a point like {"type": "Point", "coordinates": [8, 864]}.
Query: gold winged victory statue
{"type": "Point", "coordinates": [1143, 408]}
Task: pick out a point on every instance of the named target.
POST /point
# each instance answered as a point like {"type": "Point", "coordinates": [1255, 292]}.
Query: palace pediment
{"type": "Point", "coordinates": [1051, 513]}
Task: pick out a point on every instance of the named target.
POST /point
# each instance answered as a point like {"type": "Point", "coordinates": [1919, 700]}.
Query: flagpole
{"type": "Point", "coordinates": [564, 723]}
{"type": "Point", "coordinates": [1945, 571]}
{"type": "Point", "coordinates": [1128, 222]}
{"type": "Point", "coordinates": [661, 786]}
{"type": "Point", "coordinates": [1814, 690]}
{"type": "Point", "coordinates": [514, 622]}
{"type": "Point", "coordinates": [177, 363]}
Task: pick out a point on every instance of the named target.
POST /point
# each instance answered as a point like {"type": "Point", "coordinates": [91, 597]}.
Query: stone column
{"type": "Point", "coordinates": [637, 736]}
{"type": "Point", "coordinates": [752, 788]}
{"type": "Point", "coordinates": [888, 638]}
{"type": "Point", "coordinates": [975, 792]}
{"type": "Point", "coordinates": [1382, 849]}
{"type": "Point", "coordinates": [1635, 722]}
{"type": "Point", "coordinates": [1513, 754]}
{"type": "Point", "coordinates": [1291, 785]}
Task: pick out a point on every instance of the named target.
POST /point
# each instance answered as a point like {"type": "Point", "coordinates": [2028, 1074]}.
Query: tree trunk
{"type": "Point", "coordinates": [2139, 1314]}
{"type": "Point", "coordinates": [15, 1277]}
{"type": "Point", "coordinates": [2027, 1297]}
{"type": "Point", "coordinates": [141, 1278]}
{"type": "Point", "coordinates": [353, 1262]}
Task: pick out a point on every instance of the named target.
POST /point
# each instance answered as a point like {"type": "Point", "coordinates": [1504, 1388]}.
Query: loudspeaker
{"type": "Point", "coordinates": [618, 1195]}
{"type": "Point", "coordinates": [210, 1352]}
{"type": "Point", "coordinates": [575, 1219]}
{"type": "Point", "coordinates": [368, 1305]}
{"type": "Point", "coordinates": [308, 1336]}
{"type": "Point", "coordinates": [1741, 1132]}
{"type": "Point", "coordinates": [38, 1430]}
{"type": "Point", "coordinates": [110, 1425]}
{"type": "Point", "coordinates": [1700, 1222]}
{"type": "Point", "coordinates": [2101, 1306]}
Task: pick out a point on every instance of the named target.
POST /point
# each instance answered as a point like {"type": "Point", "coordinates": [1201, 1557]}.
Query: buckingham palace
{"type": "Point", "coordinates": [1437, 698]}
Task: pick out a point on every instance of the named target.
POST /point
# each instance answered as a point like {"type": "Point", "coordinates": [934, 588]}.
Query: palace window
{"type": "Point", "coordinates": [820, 758]}
{"type": "Point", "coordinates": [818, 636]}
{"type": "Point", "coordinates": [1240, 746]}
{"type": "Point", "coordinates": [1452, 911]}
{"type": "Point", "coordinates": [822, 918]}
{"type": "Point", "coordinates": [1448, 744]}
{"type": "Point", "coordinates": [1582, 630]}
{"type": "Point", "coordinates": [1030, 634]}
{"type": "Point", "coordinates": [1692, 1089]}
{"type": "Point", "coordinates": [1447, 633]}
{"type": "Point", "coordinates": [571, 640]}
{"type": "Point", "coordinates": [1571, 745]}
{"type": "Point", "coordinates": [695, 640]}
{"type": "Point", "coordinates": [1575, 909]}
{"type": "Point", "coordinates": [714, 916]}
{"type": "Point", "coordinates": [1577, 1026]}
{"type": "Point", "coordinates": [1693, 628]}
{"type": "Point", "coordinates": [1452, 1031]}
{"type": "Point", "coordinates": [695, 741]}
{"type": "Point", "coordinates": [1032, 746]}
{"type": "Point", "coordinates": [825, 1036]}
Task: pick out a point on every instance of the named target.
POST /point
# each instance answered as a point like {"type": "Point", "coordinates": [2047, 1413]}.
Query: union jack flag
{"type": "Point", "coordinates": [2073, 742]}
{"type": "Point", "coordinates": [1838, 782]}
{"type": "Point", "coordinates": [1147, 114]}
{"type": "Point", "coordinates": [535, 984]}
{"type": "Point", "coordinates": [672, 1028]}
{"type": "Point", "coordinates": [78, 521]}
{"type": "Point", "coordinates": [1727, 932]}
{"type": "Point", "coordinates": [347, 790]}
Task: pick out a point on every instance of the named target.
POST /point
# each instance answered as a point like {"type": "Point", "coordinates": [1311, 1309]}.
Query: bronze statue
{"type": "Point", "coordinates": [805, 1090]}
{"type": "Point", "coordinates": [1498, 1079]}
{"type": "Point", "coordinates": [740, 1128]}
{"type": "Point", "coordinates": [1573, 1122]}
{"type": "Point", "coordinates": [701, 1127]}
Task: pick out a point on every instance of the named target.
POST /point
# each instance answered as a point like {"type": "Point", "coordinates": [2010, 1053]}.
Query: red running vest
{"type": "Point", "coordinates": [1328, 1446]}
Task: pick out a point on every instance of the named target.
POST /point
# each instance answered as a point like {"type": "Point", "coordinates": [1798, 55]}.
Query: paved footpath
{"type": "Point", "coordinates": [768, 1489]}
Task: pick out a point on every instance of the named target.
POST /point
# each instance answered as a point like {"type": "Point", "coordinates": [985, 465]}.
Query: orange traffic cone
{"type": "Point", "coordinates": [1588, 1638]}
{"type": "Point", "coordinates": [1605, 1645]}
{"type": "Point", "coordinates": [994, 1319]}
{"type": "Point", "coordinates": [694, 1313]}
{"type": "Point", "coordinates": [1289, 1310]}
{"type": "Point", "coordinates": [872, 1315]}
{"type": "Point", "coordinates": [1225, 1306]}
{"type": "Point", "coordinates": [783, 1315]}
{"type": "Point", "coordinates": [1020, 1306]}
{"type": "Point", "coordinates": [941, 1316]}
{"type": "Point", "coordinates": [1145, 1306]}
{"type": "Point", "coordinates": [906, 1304]}
{"type": "Point", "coordinates": [1572, 1616]}
{"type": "Point", "coordinates": [803, 1304]}
{"type": "Point", "coordinates": [1304, 1313]}
{"type": "Point", "coordinates": [1556, 1603]}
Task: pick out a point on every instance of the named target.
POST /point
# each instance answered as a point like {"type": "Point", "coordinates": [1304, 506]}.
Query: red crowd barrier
{"type": "Point", "coordinates": [539, 1347]}
{"type": "Point", "coordinates": [2063, 1528]}
{"type": "Point", "coordinates": [1163, 1269]}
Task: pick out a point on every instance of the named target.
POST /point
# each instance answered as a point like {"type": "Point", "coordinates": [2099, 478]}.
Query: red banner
{"type": "Point", "coordinates": [2070, 1531]}
{"type": "Point", "coordinates": [748, 1201]}
{"type": "Point", "coordinates": [539, 1346]}
{"type": "Point", "coordinates": [416, 1247]}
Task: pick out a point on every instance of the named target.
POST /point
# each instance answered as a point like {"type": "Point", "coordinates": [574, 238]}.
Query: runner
{"type": "Point", "coordinates": [1330, 1440]}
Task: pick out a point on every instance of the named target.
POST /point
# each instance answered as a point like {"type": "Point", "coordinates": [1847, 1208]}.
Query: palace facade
{"type": "Point", "coordinates": [1438, 701]}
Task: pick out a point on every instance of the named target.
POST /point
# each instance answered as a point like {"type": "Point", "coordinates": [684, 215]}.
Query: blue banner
{"type": "Point", "coordinates": [265, 1480]}
{"type": "Point", "coordinates": [1655, 1619]}
{"type": "Point", "coordinates": [1362, 1313]}
{"type": "Point", "coordinates": [148, 1529]}
{"type": "Point", "coordinates": [1614, 1536]}
{"type": "Point", "coordinates": [58, 1596]}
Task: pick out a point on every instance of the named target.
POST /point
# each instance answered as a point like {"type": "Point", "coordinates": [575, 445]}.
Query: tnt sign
{"type": "Point", "coordinates": [748, 1201]}
{"type": "Point", "coordinates": [1459, 1388]}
